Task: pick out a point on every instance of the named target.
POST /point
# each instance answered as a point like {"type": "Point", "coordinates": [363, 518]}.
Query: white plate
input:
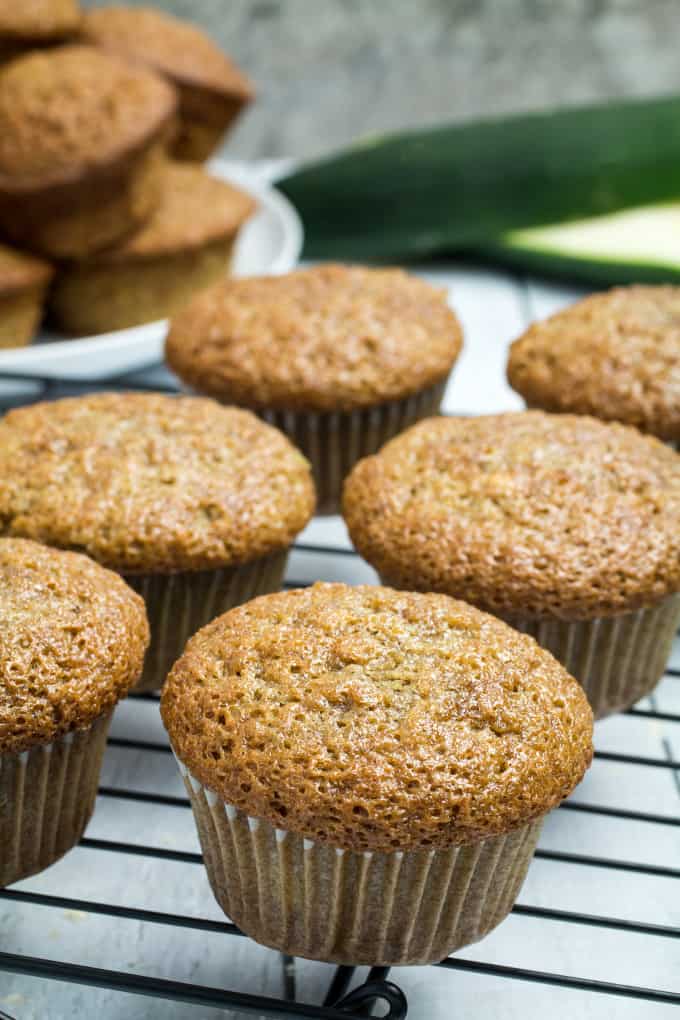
{"type": "Point", "coordinates": [270, 242]}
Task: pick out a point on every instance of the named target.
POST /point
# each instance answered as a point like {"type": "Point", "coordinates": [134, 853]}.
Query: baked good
{"type": "Point", "coordinates": [340, 358]}
{"type": "Point", "coordinates": [23, 285]}
{"type": "Point", "coordinates": [195, 504]}
{"type": "Point", "coordinates": [563, 525]}
{"type": "Point", "coordinates": [82, 137]}
{"type": "Point", "coordinates": [185, 246]}
{"type": "Point", "coordinates": [72, 642]}
{"type": "Point", "coordinates": [212, 90]}
{"type": "Point", "coordinates": [377, 762]}
{"type": "Point", "coordinates": [29, 24]}
{"type": "Point", "coordinates": [614, 355]}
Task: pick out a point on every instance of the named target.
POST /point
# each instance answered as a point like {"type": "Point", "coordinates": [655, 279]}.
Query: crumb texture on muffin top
{"type": "Point", "coordinates": [614, 355]}
{"type": "Point", "coordinates": [19, 270]}
{"type": "Point", "coordinates": [151, 483]}
{"type": "Point", "coordinates": [370, 719]}
{"type": "Point", "coordinates": [69, 110]}
{"type": "Point", "coordinates": [526, 513]}
{"type": "Point", "coordinates": [178, 49]}
{"type": "Point", "coordinates": [38, 20]}
{"type": "Point", "coordinates": [332, 337]}
{"type": "Point", "coordinates": [72, 642]}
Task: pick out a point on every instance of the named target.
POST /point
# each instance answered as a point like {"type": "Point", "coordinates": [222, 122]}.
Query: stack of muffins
{"type": "Point", "coordinates": [105, 119]}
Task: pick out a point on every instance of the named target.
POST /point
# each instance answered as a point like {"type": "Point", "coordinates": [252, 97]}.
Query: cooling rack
{"type": "Point", "coordinates": [125, 925]}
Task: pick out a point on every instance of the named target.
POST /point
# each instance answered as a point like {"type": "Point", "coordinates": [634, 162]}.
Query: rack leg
{"type": "Point", "coordinates": [288, 964]}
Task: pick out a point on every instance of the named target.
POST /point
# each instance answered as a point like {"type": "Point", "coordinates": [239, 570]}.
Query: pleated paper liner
{"type": "Point", "coordinates": [311, 900]}
{"type": "Point", "coordinates": [47, 796]}
{"type": "Point", "coordinates": [180, 604]}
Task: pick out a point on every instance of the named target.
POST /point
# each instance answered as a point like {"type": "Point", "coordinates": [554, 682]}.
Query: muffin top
{"type": "Point", "coordinates": [72, 109]}
{"type": "Point", "coordinates": [176, 48]}
{"type": "Point", "coordinates": [72, 642]}
{"type": "Point", "coordinates": [19, 271]}
{"type": "Point", "coordinates": [614, 355]}
{"type": "Point", "coordinates": [38, 20]}
{"type": "Point", "coordinates": [330, 338]}
{"type": "Point", "coordinates": [370, 719]}
{"type": "Point", "coordinates": [527, 513]}
{"type": "Point", "coordinates": [149, 483]}
{"type": "Point", "coordinates": [194, 210]}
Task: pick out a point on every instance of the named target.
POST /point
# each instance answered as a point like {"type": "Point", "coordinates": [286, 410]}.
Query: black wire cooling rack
{"type": "Point", "coordinates": [374, 989]}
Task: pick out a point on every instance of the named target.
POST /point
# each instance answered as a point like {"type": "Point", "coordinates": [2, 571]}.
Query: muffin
{"type": "Point", "coordinates": [565, 526]}
{"type": "Point", "coordinates": [185, 246]}
{"type": "Point", "coordinates": [23, 285]}
{"type": "Point", "coordinates": [614, 355]}
{"type": "Point", "coordinates": [369, 769]}
{"type": "Point", "coordinates": [212, 91]}
{"type": "Point", "coordinates": [195, 504]}
{"type": "Point", "coordinates": [29, 24]}
{"type": "Point", "coordinates": [82, 137]}
{"type": "Point", "coordinates": [340, 358]}
{"type": "Point", "coordinates": [71, 645]}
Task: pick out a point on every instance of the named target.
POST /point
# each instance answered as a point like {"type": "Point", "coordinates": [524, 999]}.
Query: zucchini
{"type": "Point", "coordinates": [421, 192]}
{"type": "Point", "coordinates": [640, 245]}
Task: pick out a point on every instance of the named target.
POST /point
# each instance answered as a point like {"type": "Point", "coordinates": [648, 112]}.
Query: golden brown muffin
{"type": "Point", "coordinates": [29, 24]}
{"type": "Point", "coordinates": [195, 503]}
{"type": "Point", "coordinates": [72, 643]}
{"type": "Point", "coordinates": [380, 724]}
{"type": "Point", "coordinates": [339, 357]}
{"type": "Point", "coordinates": [185, 246]}
{"type": "Point", "coordinates": [564, 525]}
{"type": "Point", "coordinates": [23, 284]}
{"type": "Point", "coordinates": [212, 90]}
{"type": "Point", "coordinates": [82, 136]}
{"type": "Point", "coordinates": [614, 355]}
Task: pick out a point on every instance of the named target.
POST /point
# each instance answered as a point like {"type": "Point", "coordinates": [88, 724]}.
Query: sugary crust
{"type": "Point", "coordinates": [370, 719]}
{"type": "Point", "coordinates": [528, 513]}
{"type": "Point", "coordinates": [176, 48]}
{"type": "Point", "coordinates": [147, 483]}
{"type": "Point", "coordinates": [38, 20]}
{"type": "Point", "coordinates": [72, 643]}
{"type": "Point", "coordinates": [614, 355]}
{"type": "Point", "coordinates": [330, 338]}
{"type": "Point", "coordinates": [19, 271]}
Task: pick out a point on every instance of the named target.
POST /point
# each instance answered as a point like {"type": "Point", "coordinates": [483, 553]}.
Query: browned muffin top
{"type": "Point", "coordinates": [38, 20]}
{"type": "Point", "coordinates": [71, 109]}
{"type": "Point", "coordinates": [176, 48]}
{"type": "Point", "coordinates": [72, 642]}
{"type": "Point", "coordinates": [146, 482]}
{"type": "Point", "coordinates": [371, 719]}
{"type": "Point", "coordinates": [329, 338]}
{"type": "Point", "coordinates": [527, 513]}
{"type": "Point", "coordinates": [615, 355]}
{"type": "Point", "coordinates": [19, 271]}
{"type": "Point", "coordinates": [195, 209]}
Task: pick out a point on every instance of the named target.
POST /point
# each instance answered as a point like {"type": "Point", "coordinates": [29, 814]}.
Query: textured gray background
{"type": "Point", "coordinates": [329, 70]}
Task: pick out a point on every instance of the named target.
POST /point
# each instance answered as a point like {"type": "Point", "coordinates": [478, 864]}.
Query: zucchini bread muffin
{"type": "Point", "coordinates": [29, 24]}
{"type": "Point", "coordinates": [185, 246]}
{"type": "Point", "coordinates": [340, 358]}
{"type": "Point", "coordinates": [82, 137]}
{"type": "Point", "coordinates": [565, 526]}
{"type": "Point", "coordinates": [614, 355]}
{"type": "Point", "coordinates": [212, 90]}
{"type": "Point", "coordinates": [23, 285]}
{"type": "Point", "coordinates": [369, 769]}
{"type": "Point", "coordinates": [195, 504]}
{"type": "Point", "coordinates": [72, 642]}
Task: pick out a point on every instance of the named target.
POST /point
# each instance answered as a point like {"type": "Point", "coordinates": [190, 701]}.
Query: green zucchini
{"type": "Point", "coordinates": [445, 188]}
{"type": "Point", "coordinates": [640, 245]}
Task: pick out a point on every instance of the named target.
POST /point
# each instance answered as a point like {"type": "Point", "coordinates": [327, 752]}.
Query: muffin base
{"type": "Point", "coordinates": [311, 900]}
{"type": "Point", "coordinates": [334, 441]}
{"type": "Point", "coordinates": [47, 797]}
{"type": "Point", "coordinates": [20, 314]}
{"type": "Point", "coordinates": [180, 604]}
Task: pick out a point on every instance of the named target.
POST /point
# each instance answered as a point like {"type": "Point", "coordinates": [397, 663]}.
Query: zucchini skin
{"type": "Point", "coordinates": [445, 188]}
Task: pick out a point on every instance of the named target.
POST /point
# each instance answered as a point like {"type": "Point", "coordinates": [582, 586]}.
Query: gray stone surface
{"type": "Point", "coordinates": [330, 70]}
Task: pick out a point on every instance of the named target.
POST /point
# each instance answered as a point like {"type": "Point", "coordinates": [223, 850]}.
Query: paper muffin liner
{"type": "Point", "coordinates": [47, 796]}
{"type": "Point", "coordinates": [341, 906]}
{"type": "Point", "coordinates": [180, 604]}
{"type": "Point", "coordinates": [334, 441]}
{"type": "Point", "coordinates": [617, 659]}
